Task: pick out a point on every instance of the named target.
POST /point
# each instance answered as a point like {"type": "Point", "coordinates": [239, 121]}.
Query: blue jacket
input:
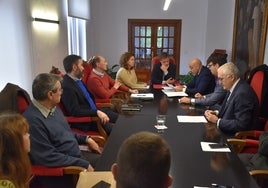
{"type": "Point", "coordinates": [203, 83]}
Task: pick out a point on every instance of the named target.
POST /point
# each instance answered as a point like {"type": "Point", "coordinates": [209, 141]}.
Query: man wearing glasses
{"type": "Point", "coordinates": [239, 110]}
{"type": "Point", "coordinates": [214, 99]}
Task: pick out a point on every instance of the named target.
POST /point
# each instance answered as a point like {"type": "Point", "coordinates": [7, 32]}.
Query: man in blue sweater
{"type": "Point", "coordinates": [53, 144]}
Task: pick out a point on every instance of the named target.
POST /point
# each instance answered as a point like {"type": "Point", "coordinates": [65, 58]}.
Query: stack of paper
{"type": "Point", "coordinates": [143, 95]}
{"type": "Point", "coordinates": [170, 93]}
{"type": "Point", "coordinates": [192, 119]}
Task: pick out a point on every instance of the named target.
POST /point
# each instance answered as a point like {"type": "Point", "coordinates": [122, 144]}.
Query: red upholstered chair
{"type": "Point", "coordinates": [118, 98]}
{"type": "Point", "coordinates": [156, 59]}
{"type": "Point", "coordinates": [41, 171]}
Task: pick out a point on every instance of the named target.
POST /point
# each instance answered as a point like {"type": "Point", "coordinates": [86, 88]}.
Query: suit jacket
{"type": "Point", "coordinates": [9, 95]}
{"type": "Point", "coordinates": [74, 100]}
{"type": "Point", "coordinates": [241, 111]}
{"type": "Point", "coordinates": [203, 83]}
{"type": "Point", "coordinates": [216, 98]}
{"type": "Point", "coordinates": [158, 75]}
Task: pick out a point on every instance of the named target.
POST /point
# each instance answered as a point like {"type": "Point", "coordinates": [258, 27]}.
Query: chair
{"type": "Point", "coordinates": [22, 101]}
{"type": "Point", "coordinates": [119, 97]}
{"type": "Point", "coordinates": [98, 136]}
{"type": "Point", "coordinates": [156, 59]}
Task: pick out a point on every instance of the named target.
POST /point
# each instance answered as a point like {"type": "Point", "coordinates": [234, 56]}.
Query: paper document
{"type": "Point", "coordinates": [205, 147]}
{"type": "Point", "coordinates": [175, 93]}
{"type": "Point", "coordinates": [143, 95]}
{"type": "Point", "coordinates": [192, 119]}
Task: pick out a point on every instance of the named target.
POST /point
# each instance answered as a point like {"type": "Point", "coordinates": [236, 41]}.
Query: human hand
{"type": "Point", "coordinates": [211, 116]}
{"type": "Point", "coordinates": [90, 168]}
{"type": "Point", "coordinates": [179, 88]}
{"type": "Point", "coordinates": [198, 96]}
{"type": "Point", "coordinates": [103, 117]}
{"type": "Point", "coordinates": [117, 84]}
{"type": "Point", "coordinates": [93, 145]}
{"type": "Point", "coordinates": [134, 91]}
{"type": "Point", "coordinates": [170, 80]}
{"type": "Point", "coordinates": [185, 100]}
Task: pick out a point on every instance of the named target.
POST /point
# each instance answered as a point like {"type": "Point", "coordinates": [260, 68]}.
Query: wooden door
{"type": "Point", "coordinates": [149, 38]}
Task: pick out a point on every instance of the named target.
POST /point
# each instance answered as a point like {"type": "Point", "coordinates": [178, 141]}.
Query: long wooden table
{"type": "Point", "coordinates": [190, 165]}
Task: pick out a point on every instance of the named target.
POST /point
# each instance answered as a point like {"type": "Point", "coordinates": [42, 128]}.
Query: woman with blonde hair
{"type": "Point", "coordinates": [15, 167]}
{"type": "Point", "coordinates": [126, 74]}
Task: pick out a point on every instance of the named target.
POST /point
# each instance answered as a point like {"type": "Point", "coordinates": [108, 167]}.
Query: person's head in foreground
{"type": "Point", "coordinates": [14, 147]}
{"type": "Point", "coordinates": [143, 161]}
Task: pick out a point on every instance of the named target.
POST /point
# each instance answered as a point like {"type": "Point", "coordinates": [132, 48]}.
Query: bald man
{"type": "Point", "coordinates": [203, 81]}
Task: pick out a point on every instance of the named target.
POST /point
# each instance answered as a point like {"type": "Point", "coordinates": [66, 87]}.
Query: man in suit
{"type": "Point", "coordinates": [163, 72]}
{"type": "Point", "coordinates": [213, 100]}
{"type": "Point", "coordinates": [203, 81]}
{"type": "Point", "coordinates": [78, 101]}
{"type": "Point", "coordinates": [239, 110]}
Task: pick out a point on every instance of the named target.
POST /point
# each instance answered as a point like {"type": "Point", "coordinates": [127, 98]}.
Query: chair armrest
{"type": "Point", "coordinates": [238, 144]}
{"type": "Point", "coordinates": [99, 140]}
{"type": "Point", "coordinates": [259, 173]}
{"type": "Point", "coordinates": [248, 134]}
{"type": "Point", "coordinates": [73, 169]}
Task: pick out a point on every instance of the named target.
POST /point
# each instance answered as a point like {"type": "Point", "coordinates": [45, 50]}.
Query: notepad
{"type": "Point", "coordinates": [192, 119]}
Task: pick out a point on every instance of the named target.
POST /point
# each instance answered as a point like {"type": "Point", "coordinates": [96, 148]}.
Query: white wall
{"type": "Point", "coordinates": [220, 26]}
{"type": "Point", "coordinates": [26, 51]}
{"type": "Point", "coordinates": [15, 44]}
{"type": "Point", "coordinates": [198, 38]}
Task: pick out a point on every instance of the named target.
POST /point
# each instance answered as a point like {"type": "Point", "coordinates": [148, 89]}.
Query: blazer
{"type": "Point", "coordinates": [216, 98]}
{"type": "Point", "coordinates": [158, 75]}
{"type": "Point", "coordinates": [203, 83]}
{"type": "Point", "coordinates": [74, 100]}
{"type": "Point", "coordinates": [241, 111]}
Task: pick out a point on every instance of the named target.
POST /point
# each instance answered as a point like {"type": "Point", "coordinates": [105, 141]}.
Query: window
{"type": "Point", "coordinates": [77, 37]}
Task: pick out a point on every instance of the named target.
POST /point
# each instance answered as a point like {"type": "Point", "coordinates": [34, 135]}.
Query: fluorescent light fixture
{"type": "Point", "coordinates": [166, 5]}
{"type": "Point", "coordinates": [46, 20]}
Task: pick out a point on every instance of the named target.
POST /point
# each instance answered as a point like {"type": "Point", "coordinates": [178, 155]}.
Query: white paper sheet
{"type": "Point", "coordinates": [192, 119]}
{"type": "Point", "coordinates": [143, 95]}
{"type": "Point", "coordinates": [170, 93]}
{"type": "Point", "coordinates": [160, 127]}
{"type": "Point", "coordinates": [205, 147]}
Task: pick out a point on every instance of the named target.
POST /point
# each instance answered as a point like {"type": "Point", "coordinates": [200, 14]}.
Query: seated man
{"type": "Point", "coordinates": [239, 110]}
{"type": "Point", "coordinates": [53, 144]}
{"type": "Point", "coordinates": [213, 99]}
{"type": "Point", "coordinates": [78, 101]}
{"type": "Point", "coordinates": [203, 81]}
{"type": "Point", "coordinates": [257, 161]}
{"type": "Point", "coordinates": [163, 72]}
{"type": "Point", "coordinates": [101, 84]}
{"type": "Point", "coordinates": [143, 160]}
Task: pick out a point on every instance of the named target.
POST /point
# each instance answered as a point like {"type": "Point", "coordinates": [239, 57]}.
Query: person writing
{"type": "Point", "coordinates": [203, 81]}
{"type": "Point", "coordinates": [214, 99]}
{"type": "Point", "coordinates": [15, 168]}
{"type": "Point", "coordinates": [143, 160]}
{"type": "Point", "coordinates": [126, 74]}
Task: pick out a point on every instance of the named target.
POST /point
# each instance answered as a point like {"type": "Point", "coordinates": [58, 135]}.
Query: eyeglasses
{"type": "Point", "coordinates": [209, 65]}
{"type": "Point", "coordinates": [221, 78]}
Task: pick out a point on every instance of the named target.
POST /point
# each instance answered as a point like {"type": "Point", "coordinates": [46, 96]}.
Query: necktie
{"type": "Point", "coordinates": [224, 104]}
{"type": "Point", "coordinates": [86, 94]}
